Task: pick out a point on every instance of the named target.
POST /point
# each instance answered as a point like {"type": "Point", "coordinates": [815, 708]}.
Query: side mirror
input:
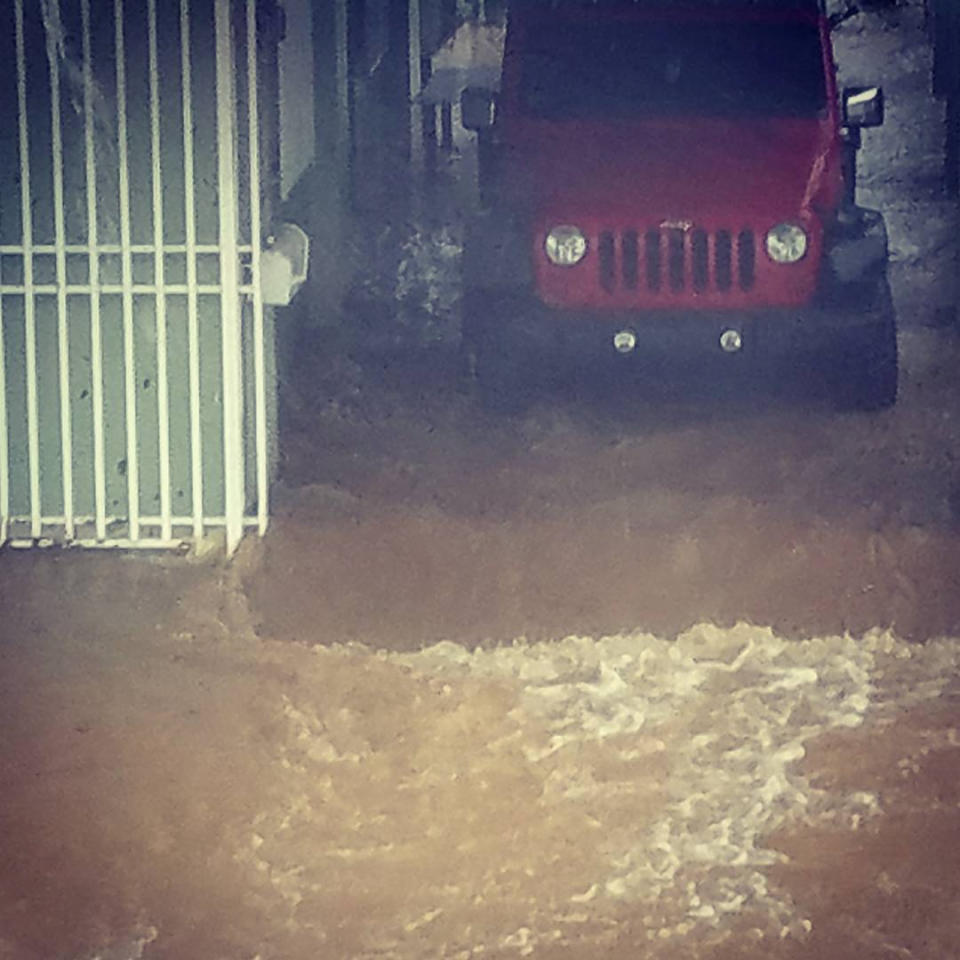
{"type": "Point", "coordinates": [477, 108]}
{"type": "Point", "coordinates": [863, 106]}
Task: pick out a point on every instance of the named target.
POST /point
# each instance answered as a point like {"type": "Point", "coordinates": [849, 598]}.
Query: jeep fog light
{"type": "Point", "coordinates": [731, 340]}
{"type": "Point", "coordinates": [786, 243]}
{"type": "Point", "coordinates": [565, 246]}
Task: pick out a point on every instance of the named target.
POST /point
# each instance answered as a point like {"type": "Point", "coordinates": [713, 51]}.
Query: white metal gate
{"type": "Point", "coordinates": [136, 358]}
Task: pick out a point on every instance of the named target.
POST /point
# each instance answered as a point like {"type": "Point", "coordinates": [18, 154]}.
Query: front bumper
{"type": "Point", "coordinates": [521, 325]}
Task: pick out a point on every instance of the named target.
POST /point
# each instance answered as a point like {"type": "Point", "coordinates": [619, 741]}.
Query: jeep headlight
{"type": "Point", "coordinates": [786, 243]}
{"type": "Point", "coordinates": [565, 245]}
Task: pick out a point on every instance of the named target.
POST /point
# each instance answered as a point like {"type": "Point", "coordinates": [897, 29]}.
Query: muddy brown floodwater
{"type": "Point", "coordinates": [675, 681]}
{"type": "Point", "coordinates": [624, 676]}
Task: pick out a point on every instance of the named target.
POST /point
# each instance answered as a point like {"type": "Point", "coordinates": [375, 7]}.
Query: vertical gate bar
{"type": "Point", "coordinates": [129, 360]}
{"type": "Point", "coordinates": [342, 78]}
{"type": "Point", "coordinates": [4, 456]}
{"type": "Point", "coordinates": [193, 327]}
{"type": "Point", "coordinates": [163, 391]}
{"type": "Point", "coordinates": [93, 266]}
{"type": "Point", "coordinates": [415, 83]}
{"type": "Point", "coordinates": [29, 303]}
{"type": "Point", "coordinates": [260, 387]}
{"type": "Point", "coordinates": [233, 467]}
{"type": "Point", "coordinates": [51, 26]}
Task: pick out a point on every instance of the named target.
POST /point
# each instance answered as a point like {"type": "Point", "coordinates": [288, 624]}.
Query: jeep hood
{"type": "Point", "coordinates": [699, 170]}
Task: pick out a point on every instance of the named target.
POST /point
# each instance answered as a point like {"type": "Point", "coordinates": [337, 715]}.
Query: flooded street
{"type": "Point", "coordinates": [175, 785]}
{"type": "Point", "coordinates": [631, 673]}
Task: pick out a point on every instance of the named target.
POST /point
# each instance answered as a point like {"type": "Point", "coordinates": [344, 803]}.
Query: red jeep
{"type": "Point", "coordinates": [675, 179]}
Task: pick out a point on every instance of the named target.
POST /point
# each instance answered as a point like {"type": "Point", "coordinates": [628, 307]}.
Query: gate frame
{"type": "Point", "coordinates": [240, 297]}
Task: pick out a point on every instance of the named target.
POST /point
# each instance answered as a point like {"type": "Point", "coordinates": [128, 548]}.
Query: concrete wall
{"type": "Point", "coordinates": [297, 93]}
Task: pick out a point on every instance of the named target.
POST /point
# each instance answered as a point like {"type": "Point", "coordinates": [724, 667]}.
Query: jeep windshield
{"type": "Point", "coordinates": [582, 68]}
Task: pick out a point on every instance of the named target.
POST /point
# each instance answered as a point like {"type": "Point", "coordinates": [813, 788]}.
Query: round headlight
{"type": "Point", "coordinates": [786, 243]}
{"type": "Point", "coordinates": [565, 246]}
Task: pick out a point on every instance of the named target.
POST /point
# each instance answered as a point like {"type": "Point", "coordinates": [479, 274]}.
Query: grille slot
{"type": "Point", "coordinates": [746, 258]}
{"type": "Point", "coordinates": [631, 254]}
{"type": "Point", "coordinates": [722, 260]}
{"type": "Point", "coordinates": [677, 259]}
{"type": "Point", "coordinates": [699, 260]}
{"type": "Point", "coordinates": [607, 265]}
{"type": "Point", "coordinates": [652, 249]}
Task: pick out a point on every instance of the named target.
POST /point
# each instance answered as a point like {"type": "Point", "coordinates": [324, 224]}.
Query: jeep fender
{"type": "Point", "coordinates": [856, 246]}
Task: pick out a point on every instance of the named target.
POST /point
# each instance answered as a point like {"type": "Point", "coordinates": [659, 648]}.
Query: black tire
{"type": "Point", "coordinates": [865, 374]}
{"type": "Point", "coordinates": [492, 367]}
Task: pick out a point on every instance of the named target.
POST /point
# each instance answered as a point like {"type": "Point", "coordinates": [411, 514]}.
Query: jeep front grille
{"type": "Point", "coordinates": [674, 260]}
